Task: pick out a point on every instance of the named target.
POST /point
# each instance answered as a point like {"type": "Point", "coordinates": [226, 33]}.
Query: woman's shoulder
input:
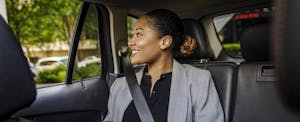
{"type": "Point", "coordinates": [118, 84]}
{"type": "Point", "coordinates": [198, 78]}
{"type": "Point", "coordinates": [198, 72]}
{"type": "Point", "coordinates": [121, 81]}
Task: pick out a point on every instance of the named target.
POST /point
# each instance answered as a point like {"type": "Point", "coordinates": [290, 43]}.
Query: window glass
{"type": "Point", "coordinates": [229, 27]}
{"type": "Point", "coordinates": [130, 23]}
{"type": "Point", "coordinates": [45, 30]}
{"type": "Point", "coordinates": [88, 56]}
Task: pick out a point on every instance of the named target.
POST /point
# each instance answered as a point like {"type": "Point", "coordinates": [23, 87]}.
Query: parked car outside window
{"type": "Point", "coordinates": [89, 60]}
{"type": "Point", "coordinates": [50, 63]}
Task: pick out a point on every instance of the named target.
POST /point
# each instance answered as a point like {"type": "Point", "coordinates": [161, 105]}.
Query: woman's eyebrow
{"type": "Point", "coordinates": [139, 29]}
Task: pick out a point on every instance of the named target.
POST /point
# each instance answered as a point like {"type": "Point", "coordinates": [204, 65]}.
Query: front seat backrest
{"type": "Point", "coordinates": [257, 98]}
{"type": "Point", "coordinates": [17, 87]}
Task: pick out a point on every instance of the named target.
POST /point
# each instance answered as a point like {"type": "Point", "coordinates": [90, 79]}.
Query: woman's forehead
{"type": "Point", "coordinates": [144, 24]}
{"type": "Point", "coordinates": [141, 23]}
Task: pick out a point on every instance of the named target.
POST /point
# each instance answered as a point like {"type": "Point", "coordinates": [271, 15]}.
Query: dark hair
{"type": "Point", "coordinates": [168, 23]}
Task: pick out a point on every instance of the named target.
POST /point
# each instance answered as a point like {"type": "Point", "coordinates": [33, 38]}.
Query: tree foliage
{"type": "Point", "coordinates": [36, 22]}
{"type": "Point", "coordinates": [129, 27]}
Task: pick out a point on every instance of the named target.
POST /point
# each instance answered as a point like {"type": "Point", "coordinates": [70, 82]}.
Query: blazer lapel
{"type": "Point", "coordinates": [178, 103]}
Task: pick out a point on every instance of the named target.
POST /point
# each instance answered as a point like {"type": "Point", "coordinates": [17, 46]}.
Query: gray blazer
{"type": "Point", "coordinates": [193, 96]}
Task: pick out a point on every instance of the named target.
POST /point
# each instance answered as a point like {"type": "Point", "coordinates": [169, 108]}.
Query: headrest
{"type": "Point", "coordinates": [17, 88]}
{"type": "Point", "coordinates": [255, 43]}
{"type": "Point", "coordinates": [194, 29]}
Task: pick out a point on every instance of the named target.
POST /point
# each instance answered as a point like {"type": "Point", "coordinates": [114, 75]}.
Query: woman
{"type": "Point", "coordinates": [174, 92]}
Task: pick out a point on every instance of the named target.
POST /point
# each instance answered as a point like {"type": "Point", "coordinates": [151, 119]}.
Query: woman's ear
{"type": "Point", "coordinates": [166, 42]}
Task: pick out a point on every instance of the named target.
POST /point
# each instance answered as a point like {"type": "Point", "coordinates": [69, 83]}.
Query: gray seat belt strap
{"type": "Point", "coordinates": [136, 93]}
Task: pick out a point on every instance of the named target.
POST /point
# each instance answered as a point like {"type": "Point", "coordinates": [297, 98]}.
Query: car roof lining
{"type": "Point", "coordinates": [185, 9]}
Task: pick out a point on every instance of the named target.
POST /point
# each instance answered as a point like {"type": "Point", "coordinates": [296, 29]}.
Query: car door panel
{"type": "Point", "coordinates": [83, 100]}
{"type": "Point", "coordinates": [79, 96]}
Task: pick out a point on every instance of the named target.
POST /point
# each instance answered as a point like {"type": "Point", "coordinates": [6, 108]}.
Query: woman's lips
{"type": "Point", "coordinates": [133, 52]}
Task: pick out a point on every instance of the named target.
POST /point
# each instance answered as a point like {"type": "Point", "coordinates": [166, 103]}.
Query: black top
{"type": "Point", "coordinates": [158, 102]}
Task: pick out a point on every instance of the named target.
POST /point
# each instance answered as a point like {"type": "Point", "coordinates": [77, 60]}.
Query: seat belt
{"type": "Point", "coordinates": [136, 92]}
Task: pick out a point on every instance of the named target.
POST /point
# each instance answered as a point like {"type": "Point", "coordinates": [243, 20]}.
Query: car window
{"type": "Point", "coordinates": [229, 27]}
{"type": "Point", "coordinates": [45, 31]}
{"type": "Point", "coordinates": [130, 22]}
{"type": "Point", "coordinates": [88, 56]}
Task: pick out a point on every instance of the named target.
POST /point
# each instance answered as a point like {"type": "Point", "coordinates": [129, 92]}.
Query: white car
{"type": "Point", "coordinates": [50, 63]}
{"type": "Point", "coordinates": [32, 68]}
{"type": "Point", "coordinates": [88, 60]}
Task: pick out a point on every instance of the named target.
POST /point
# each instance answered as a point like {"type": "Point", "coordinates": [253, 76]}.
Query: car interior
{"type": "Point", "coordinates": [14, 68]}
{"type": "Point", "coordinates": [248, 86]}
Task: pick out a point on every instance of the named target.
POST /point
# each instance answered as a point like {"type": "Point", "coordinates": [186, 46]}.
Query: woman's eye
{"type": "Point", "coordinates": [138, 35]}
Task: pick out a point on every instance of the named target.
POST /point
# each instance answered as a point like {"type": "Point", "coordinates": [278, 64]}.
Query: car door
{"type": "Point", "coordinates": [84, 95]}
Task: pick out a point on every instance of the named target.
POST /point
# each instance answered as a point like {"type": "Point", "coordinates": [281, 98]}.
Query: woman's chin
{"type": "Point", "coordinates": [135, 62]}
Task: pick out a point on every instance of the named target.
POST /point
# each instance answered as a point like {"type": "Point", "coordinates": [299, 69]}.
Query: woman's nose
{"type": "Point", "coordinates": [131, 42]}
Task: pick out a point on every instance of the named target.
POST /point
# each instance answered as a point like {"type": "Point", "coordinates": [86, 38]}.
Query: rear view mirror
{"type": "Point", "coordinates": [17, 88]}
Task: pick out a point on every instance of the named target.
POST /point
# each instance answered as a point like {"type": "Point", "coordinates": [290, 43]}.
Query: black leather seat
{"type": "Point", "coordinates": [257, 98]}
{"type": "Point", "coordinates": [223, 73]}
{"type": "Point", "coordinates": [17, 87]}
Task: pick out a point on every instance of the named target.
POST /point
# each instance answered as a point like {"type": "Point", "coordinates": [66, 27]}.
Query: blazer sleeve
{"type": "Point", "coordinates": [208, 107]}
{"type": "Point", "coordinates": [111, 102]}
{"type": "Point", "coordinates": [108, 117]}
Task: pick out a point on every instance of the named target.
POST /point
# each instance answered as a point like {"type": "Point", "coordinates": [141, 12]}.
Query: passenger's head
{"type": "Point", "coordinates": [158, 32]}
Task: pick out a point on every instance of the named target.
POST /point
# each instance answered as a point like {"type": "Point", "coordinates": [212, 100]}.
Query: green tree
{"type": "Point", "coordinates": [38, 22]}
{"type": "Point", "coordinates": [129, 27]}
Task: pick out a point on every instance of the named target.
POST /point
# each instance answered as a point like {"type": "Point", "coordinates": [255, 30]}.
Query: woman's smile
{"type": "Point", "coordinates": [134, 52]}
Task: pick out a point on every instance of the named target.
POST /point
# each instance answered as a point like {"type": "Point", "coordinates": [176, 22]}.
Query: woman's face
{"type": "Point", "coordinates": [144, 45]}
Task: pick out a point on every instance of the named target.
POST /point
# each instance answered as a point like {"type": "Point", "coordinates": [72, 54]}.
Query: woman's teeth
{"type": "Point", "coordinates": [134, 51]}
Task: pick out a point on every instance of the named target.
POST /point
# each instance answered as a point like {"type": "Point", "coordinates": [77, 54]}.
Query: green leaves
{"type": "Point", "coordinates": [233, 49]}
{"type": "Point", "coordinates": [90, 70]}
{"type": "Point", "coordinates": [37, 22]}
{"type": "Point", "coordinates": [55, 75]}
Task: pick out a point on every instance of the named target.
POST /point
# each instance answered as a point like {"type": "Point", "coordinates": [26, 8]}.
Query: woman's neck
{"type": "Point", "coordinates": [160, 66]}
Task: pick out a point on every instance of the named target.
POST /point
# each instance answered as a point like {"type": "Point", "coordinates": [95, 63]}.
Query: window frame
{"type": "Point", "coordinates": [223, 55]}
{"type": "Point", "coordinates": [103, 41]}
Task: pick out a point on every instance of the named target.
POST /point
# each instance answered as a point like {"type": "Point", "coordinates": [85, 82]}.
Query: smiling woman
{"type": "Point", "coordinates": [168, 86]}
{"type": "Point", "coordinates": [175, 92]}
{"type": "Point", "coordinates": [144, 45]}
